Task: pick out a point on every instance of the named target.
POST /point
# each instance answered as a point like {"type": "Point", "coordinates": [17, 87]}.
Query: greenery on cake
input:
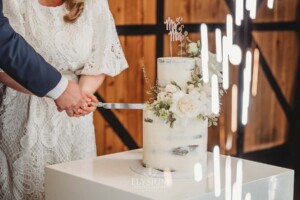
{"type": "Point", "coordinates": [194, 101]}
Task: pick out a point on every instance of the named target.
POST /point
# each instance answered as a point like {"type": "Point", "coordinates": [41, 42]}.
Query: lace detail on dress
{"type": "Point", "coordinates": [111, 61]}
{"type": "Point", "coordinates": [33, 133]}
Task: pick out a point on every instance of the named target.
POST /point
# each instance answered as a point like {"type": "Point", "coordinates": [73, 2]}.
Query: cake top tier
{"type": "Point", "coordinates": [176, 60]}
{"type": "Point", "coordinates": [177, 69]}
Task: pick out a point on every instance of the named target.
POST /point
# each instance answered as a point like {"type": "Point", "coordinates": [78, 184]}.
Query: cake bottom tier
{"type": "Point", "coordinates": [180, 148]}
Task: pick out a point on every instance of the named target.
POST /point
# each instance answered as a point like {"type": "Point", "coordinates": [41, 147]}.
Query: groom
{"type": "Point", "coordinates": [20, 61]}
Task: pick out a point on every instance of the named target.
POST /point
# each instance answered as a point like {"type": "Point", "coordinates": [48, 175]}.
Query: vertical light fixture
{"type": "Point", "coordinates": [217, 171]}
{"type": "Point", "coordinates": [248, 196]}
{"type": "Point", "coordinates": [218, 35]}
{"type": "Point", "coordinates": [235, 54]}
{"type": "Point", "coordinates": [198, 172]}
{"type": "Point", "coordinates": [248, 5]}
{"type": "Point", "coordinates": [168, 178]}
{"type": "Point", "coordinates": [229, 29]}
{"type": "Point", "coordinates": [251, 6]}
{"type": "Point", "coordinates": [239, 179]}
{"type": "Point", "coordinates": [255, 72]}
{"type": "Point", "coordinates": [271, 4]}
{"type": "Point", "coordinates": [215, 94]}
{"type": "Point", "coordinates": [204, 52]}
{"type": "Point", "coordinates": [234, 107]}
{"type": "Point", "coordinates": [246, 89]}
{"type": "Point", "coordinates": [239, 12]}
{"type": "Point", "coordinates": [228, 178]}
{"type": "Point", "coordinates": [225, 63]}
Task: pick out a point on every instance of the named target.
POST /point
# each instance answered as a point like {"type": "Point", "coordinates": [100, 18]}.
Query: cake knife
{"type": "Point", "coordinates": [137, 106]}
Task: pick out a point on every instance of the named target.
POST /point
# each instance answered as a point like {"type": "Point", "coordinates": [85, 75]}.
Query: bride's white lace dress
{"type": "Point", "coordinates": [33, 133]}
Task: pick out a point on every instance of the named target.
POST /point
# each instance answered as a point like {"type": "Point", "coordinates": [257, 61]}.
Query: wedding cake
{"type": "Point", "coordinates": [176, 119]}
{"type": "Point", "coordinates": [181, 144]}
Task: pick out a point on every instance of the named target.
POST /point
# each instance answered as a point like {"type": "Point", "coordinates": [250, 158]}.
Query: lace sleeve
{"type": "Point", "coordinates": [107, 56]}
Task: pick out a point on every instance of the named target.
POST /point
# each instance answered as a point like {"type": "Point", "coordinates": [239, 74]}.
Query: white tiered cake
{"type": "Point", "coordinates": [180, 146]}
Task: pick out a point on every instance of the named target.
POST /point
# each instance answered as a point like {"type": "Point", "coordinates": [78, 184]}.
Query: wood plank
{"type": "Point", "coordinates": [128, 12]}
{"type": "Point", "coordinates": [196, 11]}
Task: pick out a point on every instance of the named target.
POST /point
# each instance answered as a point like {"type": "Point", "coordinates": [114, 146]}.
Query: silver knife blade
{"type": "Point", "coordinates": [138, 106]}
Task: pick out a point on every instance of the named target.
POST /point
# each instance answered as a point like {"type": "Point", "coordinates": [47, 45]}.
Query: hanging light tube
{"type": "Point", "coordinates": [218, 35]}
{"type": "Point", "coordinates": [251, 6]}
{"type": "Point", "coordinates": [246, 89]}
{"type": "Point", "coordinates": [229, 29]}
{"type": "Point", "coordinates": [217, 171]}
{"type": "Point", "coordinates": [239, 12]}
{"type": "Point", "coordinates": [215, 94]}
{"type": "Point", "coordinates": [225, 63]}
{"type": "Point", "coordinates": [228, 178]}
{"type": "Point", "coordinates": [234, 108]}
{"type": "Point", "coordinates": [204, 52]}
{"type": "Point", "coordinates": [270, 4]}
{"type": "Point", "coordinates": [255, 72]}
{"type": "Point", "coordinates": [239, 179]}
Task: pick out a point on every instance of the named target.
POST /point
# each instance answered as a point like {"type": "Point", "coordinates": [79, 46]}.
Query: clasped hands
{"type": "Point", "coordinates": [75, 101]}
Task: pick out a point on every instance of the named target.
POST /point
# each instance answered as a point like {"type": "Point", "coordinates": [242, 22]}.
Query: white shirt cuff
{"type": "Point", "coordinates": [59, 88]}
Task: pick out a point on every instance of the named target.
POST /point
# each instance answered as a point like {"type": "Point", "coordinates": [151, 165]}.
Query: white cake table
{"type": "Point", "coordinates": [110, 177]}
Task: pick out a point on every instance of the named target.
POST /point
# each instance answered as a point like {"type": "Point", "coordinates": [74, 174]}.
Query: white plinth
{"type": "Point", "coordinates": [110, 177]}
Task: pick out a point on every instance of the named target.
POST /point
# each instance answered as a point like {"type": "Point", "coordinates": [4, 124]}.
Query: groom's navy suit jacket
{"type": "Point", "coordinates": [19, 60]}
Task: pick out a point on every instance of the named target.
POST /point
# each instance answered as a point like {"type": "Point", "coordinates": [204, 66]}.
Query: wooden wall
{"type": "Point", "coordinates": [267, 123]}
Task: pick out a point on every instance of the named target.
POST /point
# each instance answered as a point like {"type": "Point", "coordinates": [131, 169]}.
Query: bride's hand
{"type": "Point", "coordinates": [87, 109]}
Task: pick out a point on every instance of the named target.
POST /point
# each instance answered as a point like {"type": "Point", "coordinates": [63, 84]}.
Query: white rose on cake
{"type": "Point", "coordinates": [193, 49]}
{"type": "Point", "coordinates": [186, 105]}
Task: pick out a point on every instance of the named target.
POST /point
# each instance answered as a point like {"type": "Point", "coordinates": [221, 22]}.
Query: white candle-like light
{"type": "Point", "coordinates": [239, 12]}
{"type": "Point", "coordinates": [239, 179]}
{"type": "Point", "coordinates": [228, 144]}
{"type": "Point", "coordinates": [252, 8]}
{"type": "Point", "coordinates": [234, 194]}
{"type": "Point", "coordinates": [248, 5]}
{"type": "Point", "coordinates": [218, 35]}
{"type": "Point", "coordinates": [168, 178]}
{"type": "Point", "coordinates": [198, 172]}
{"type": "Point", "coordinates": [255, 72]}
{"type": "Point", "coordinates": [204, 52]}
{"type": "Point", "coordinates": [248, 196]}
{"type": "Point", "coordinates": [228, 178]}
{"type": "Point", "coordinates": [217, 171]}
{"type": "Point", "coordinates": [215, 94]}
{"type": "Point", "coordinates": [235, 54]}
{"type": "Point", "coordinates": [229, 29]}
{"type": "Point", "coordinates": [225, 64]}
{"type": "Point", "coordinates": [234, 108]}
{"type": "Point", "coordinates": [271, 4]}
{"type": "Point", "coordinates": [246, 89]}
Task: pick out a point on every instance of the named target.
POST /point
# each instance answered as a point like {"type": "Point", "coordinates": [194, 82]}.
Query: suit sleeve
{"type": "Point", "coordinates": [19, 60]}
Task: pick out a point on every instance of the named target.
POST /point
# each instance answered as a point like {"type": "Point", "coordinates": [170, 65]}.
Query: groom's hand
{"type": "Point", "coordinates": [71, 99]}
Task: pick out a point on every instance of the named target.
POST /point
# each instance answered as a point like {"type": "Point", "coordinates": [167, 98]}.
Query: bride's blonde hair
{"type": "Point", "coordinates": [75, 8]}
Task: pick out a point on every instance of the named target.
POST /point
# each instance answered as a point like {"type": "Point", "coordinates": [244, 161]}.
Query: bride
{"type": "Point", "coordinates": [79, 38]}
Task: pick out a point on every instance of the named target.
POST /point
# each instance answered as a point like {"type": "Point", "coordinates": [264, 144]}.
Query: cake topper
{"type": "Point", "coordinates": [175, 29]}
